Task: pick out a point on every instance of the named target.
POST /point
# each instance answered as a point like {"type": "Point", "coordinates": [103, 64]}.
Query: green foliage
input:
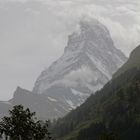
{"type": "Point", "coordinates": [96, 128]}
{"type": "Point", "coordinates": [21, 124]}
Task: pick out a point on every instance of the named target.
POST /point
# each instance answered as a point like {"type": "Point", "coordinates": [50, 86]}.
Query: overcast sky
{"type": "Point", "coordinates": [33, 33]}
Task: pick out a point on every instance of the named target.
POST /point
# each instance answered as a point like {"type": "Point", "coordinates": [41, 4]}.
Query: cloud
{"type": "Point", "coordinates": [84, 74]}
{"type": "Point", "coordinates": [34, 33]}
{"type": "Point", "coordinates": [122, 18]}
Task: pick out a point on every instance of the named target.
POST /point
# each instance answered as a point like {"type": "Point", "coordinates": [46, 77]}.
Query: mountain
{"type": "Point", "coordinates": [37, 103]}
{"type": "Point", "coordinates": [87, 64]}
{"type": "Point", "coordinates": [111, 113]}
{"type": "Point", "coordinates": [89, 60]}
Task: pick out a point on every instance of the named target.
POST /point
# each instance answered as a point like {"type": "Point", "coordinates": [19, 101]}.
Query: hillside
{"type": "Point", "coordinates": [113, 111]}
{"type": "Point", "coordinates": [134, 61]}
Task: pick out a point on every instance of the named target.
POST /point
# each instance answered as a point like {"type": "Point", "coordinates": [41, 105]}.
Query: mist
{"type": "Point", "coordinates": [33, 34]}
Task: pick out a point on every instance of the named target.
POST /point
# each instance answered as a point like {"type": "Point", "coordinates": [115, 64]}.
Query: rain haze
{"type": "Point", "coordinates": [33, 33]}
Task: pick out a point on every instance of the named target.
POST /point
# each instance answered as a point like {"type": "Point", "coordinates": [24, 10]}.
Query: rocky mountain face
{"type": "Point", "coordinates": [89, 60]}
{"type": "Point", "coordinates": [88, 63]}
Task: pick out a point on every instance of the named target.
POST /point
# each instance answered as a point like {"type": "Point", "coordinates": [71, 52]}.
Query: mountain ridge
{"type": "Point", "coordinates": [89, 61]}
{"type": "Point", "coordinates": [133, 61]}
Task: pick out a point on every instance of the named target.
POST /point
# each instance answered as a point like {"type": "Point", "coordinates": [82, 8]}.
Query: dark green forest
{"type": "Point", "coordinates": [113, 113]}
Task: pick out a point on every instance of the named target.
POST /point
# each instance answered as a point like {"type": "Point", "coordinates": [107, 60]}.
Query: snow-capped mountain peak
{"type": "Point", "coordinates": [89, 60]}
{"type": "Point", "coordinates": [87, 30]}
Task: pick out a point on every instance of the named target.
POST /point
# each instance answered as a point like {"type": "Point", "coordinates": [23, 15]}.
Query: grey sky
{"type": "Point", "coordinates": [33, 33]}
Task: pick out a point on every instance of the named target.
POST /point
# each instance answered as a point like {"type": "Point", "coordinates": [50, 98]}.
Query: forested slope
{"type": "Point", "coordinates": [113, 111]}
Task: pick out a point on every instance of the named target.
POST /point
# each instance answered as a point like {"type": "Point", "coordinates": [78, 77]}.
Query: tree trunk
{"type": "Point", "coordinates": [20, 137]}
{"type": "Point", "coordinates": [6, 138]}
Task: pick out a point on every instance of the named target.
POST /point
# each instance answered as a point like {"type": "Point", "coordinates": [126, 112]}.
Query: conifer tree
{"type": "Point", "coordinates": [21, 124]}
